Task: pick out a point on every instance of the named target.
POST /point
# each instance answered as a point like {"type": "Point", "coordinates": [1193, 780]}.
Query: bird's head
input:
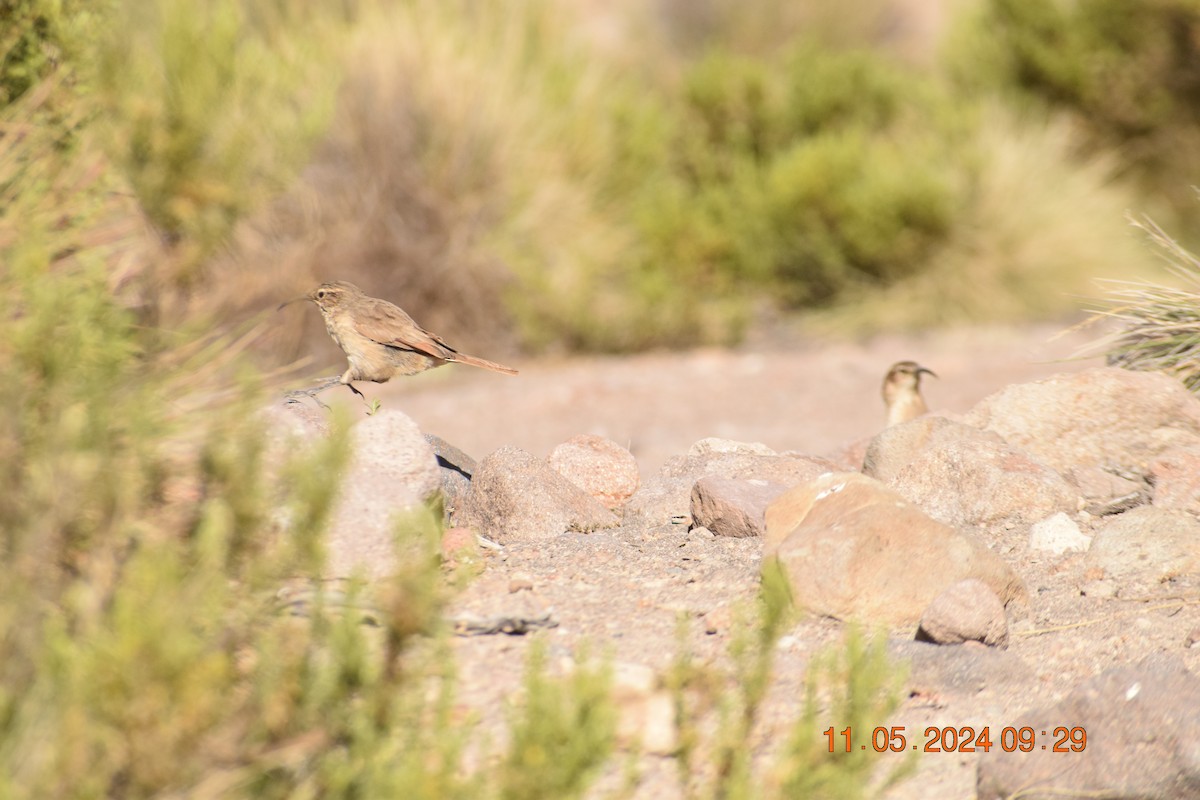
{"type": "Point", "coordinates": [328, 295]}
{"type": "Point", "coordinates": [905, 375]}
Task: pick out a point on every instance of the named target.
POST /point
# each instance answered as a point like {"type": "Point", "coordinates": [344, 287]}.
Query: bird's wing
{"type": "Point", "coordinates": [388, 324]}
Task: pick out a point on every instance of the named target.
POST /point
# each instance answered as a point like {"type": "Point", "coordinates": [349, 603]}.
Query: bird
{"type": "Point", "coordinates": [902, 392]}
{"type": "Point", "coordinates": [379, 339]}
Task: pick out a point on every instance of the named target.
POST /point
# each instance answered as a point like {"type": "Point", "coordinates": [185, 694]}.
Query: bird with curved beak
{"type": "Point", "coordinates": [379, 339]}
{"type": "Point", "coordinates": [902, 391]}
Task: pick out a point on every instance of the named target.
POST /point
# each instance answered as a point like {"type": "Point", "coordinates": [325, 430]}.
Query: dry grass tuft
{"type": "Point", "coordinates": [1157, 326]}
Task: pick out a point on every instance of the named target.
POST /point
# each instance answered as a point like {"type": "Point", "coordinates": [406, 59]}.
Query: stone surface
{"type": "Point", "coordinates": [934, 670]}
{"type": "Point", "coordinates": [599, 466]}
{"type": "Point", "coordinates": [853, 548]}
{"type": "Point", "coordinates": [1107, 416]}
{"type": "Point", "coordinates": [392, 472]}
{"type": "Point", "coordinates": [1058, 534]}
{"type": "Point", "coordinates": [646, 711]}
{"type": "Point", "coordinates": [1146, 546]}
{"type": "Point", "coordinates": [966, 611]}
{"type": "Point", "coordinates": [455, 469]}
{"type": "Point", "coordinates": [1143, 741]}
{"type": "Point", "coordinates": [712, 444]}
{"type": "Point", "coordinates": [667, 496]}
{"type": "Point", "coordinates": [895, 447]}
{"type": "Point", "coordinates": [516, 497]}
{"type": "Point", "coordinates": [732, 507]}
{"type": "Point", "coordinates": [1175, 476]}
{"type": "Point", "coordinates": [1100, 486]}
{"type": "Point", "coordinates": [981, 483]}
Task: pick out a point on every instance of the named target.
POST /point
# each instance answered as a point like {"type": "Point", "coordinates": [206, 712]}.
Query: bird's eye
{"type": "Point", "coordinates": [321, 294]}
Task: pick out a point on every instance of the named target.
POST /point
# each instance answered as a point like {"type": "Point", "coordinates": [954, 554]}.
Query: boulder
{"type": "Point", "coordinates": [666, 497]}
{"type": "Point", "coordinates": [455, 469]}
{"type": "Point", "coordinates": [853, 548]}
{"type": "Point", "coordinates": [599, 466]}
{"type": "Point", "coordinates": [732, 507]}
{"type": "Point", "coordinates": [516, 497]}
{"type": "Point", "coordinates": [1175, 476]}
{"type": "Point", "coordinates": [982, 483]}
{"type": "Point", "coordinates": [392, 472]}
{"type": "Point", "coordinates": [1142, 548]}
{"type": "Point", "coordinates": [1105, 415]}
{"type": "Point", "coordinates": [1141, 730]}
{"type": "Point", "coordinates": [968, 611]}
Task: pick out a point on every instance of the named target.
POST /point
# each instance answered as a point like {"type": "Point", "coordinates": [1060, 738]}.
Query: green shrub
{"type": "Point", "coordinates": [210, 109]}
{"type": "Point", "coordinates": [809, 176]}
{"type": "Point", "coordinates": [1125, 69]}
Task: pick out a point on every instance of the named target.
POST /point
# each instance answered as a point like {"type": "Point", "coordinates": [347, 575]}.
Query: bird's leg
{"type": "Point", "coordinates": [296, 395]}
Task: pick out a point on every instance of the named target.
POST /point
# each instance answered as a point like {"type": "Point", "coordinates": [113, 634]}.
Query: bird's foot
{"type": "Point", "coordinates": [298, 395]}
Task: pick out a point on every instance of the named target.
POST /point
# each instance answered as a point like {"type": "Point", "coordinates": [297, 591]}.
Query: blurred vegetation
{"type": "Point", "coordinates": [164, 627]}
{"type": "Point", "coordinates": [1127, 72]}
{"type": "Point", "coordinates": [852, 682]}
{"type": "Point", "coordinates": [556, 177]}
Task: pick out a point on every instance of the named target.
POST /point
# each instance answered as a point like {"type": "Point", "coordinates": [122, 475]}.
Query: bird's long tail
{"type": "Point", "coordinates": [462, 358]}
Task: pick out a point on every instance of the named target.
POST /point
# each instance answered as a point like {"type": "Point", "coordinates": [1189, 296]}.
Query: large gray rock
{"type": "Point", "coordinates": [455, 469]}
{"type": "Point", "coordinates": [667, 496]}
{"type": "Point", "coordinates": [1146, 546]}
{"type": "Point", "coordinates": [853, 548]}
{"type": "Point", "coordinates": [1143, 741]}
{"type": "Point", "coordinates": [392, 472]}
{"type": "Point", "coordinates": [1103, 416]}
{"type": "Point", "coordinates": [515, 497]}
{"type": "Point", "coordinates": [732, 507]}
{"type": "Point", "coordinates": [599, 466]}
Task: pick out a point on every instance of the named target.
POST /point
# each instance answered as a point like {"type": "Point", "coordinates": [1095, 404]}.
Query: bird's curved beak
{"type": "Point", "coordinates": [927, 371]}
{"type": "Point", "coordinates": [293, 300]}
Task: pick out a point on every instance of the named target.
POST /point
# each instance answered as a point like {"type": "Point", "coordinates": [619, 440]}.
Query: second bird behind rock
{"type": "Point", "coordinates": [379, 339]}
{"type": "Point", "coordinates": [902, 392]}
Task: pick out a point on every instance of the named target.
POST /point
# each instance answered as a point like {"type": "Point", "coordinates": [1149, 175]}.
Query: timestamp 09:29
{"type": "Point", "coordinates": [965, 739]}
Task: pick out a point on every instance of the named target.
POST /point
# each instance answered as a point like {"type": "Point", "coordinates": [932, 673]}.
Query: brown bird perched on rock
{"type": "Point", "coordinates": [379, 339]}
{"type": "Point", "coordinates": [902, 392]}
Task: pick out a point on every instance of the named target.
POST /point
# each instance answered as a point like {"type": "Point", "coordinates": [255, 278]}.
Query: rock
{"type": "Point", "coordinates": [853, 548]}
{"type": "Point", "coordinates": [1142, 731]}
{"type": "Point", "coordinates": [1058, 534]}
{"type": "Point", "coordinates": [599, 466]}
{"type": "Point", "coordinates": [933, 670]}
{"type": "Point", "coordinates": [455, 469]}
{"type": "Point", "coordinates": [712, 444]}
{"type": "Point", "coordinates": [392, 472]}
{"type": "Point", "coordinates": [516, 497]}
{"type": "Point", "coordinates": [1101, 487]}
{"type": "Point", "coordinates": [849, 457]}
{"type": "Point", "coordinates": [1175, 476]}
{"type": "Point", "coordinates": [646, 711]}
{"type": "Point", "coordinates": [1106, 415]}
{"type": "Point", "coordinates": [667, 496]}
{"type": "Point", "coordinates": [965, 612]}
{"type": "Point", "coordinates": [896, 446]}
{"type": "Point", "coordinates": [295, 420]}
{"type": "Point", "coordinates": [984, 484]}
{"type": "Point", "coordinates": [731, 507]}
{"type": "Point", "coordinates": [1146, 546]}
{"type": "Point", "coordinates": [459, 547]}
